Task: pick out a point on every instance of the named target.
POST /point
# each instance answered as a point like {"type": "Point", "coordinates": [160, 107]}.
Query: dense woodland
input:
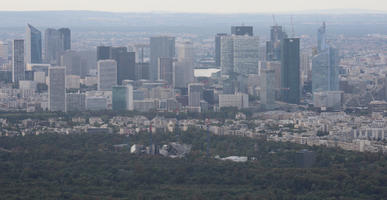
{"type": "Point", "coordinates": [87, 166]}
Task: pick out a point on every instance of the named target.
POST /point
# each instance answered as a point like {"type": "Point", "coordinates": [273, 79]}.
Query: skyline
{"type": "Point", "coordinates": [199, 6]}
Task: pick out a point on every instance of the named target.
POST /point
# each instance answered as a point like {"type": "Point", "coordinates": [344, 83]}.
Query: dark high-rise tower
{"type": "Point", "coordinates": [33, 46]}
{"type": "Point", "coordinates": [217, 47]}
{"type": "Point", "coordinates": [65, 34]}
{"type": "Point", "coordinates": [126, 63]}
{"type": "Point", "coordinates": [242, 30]}
{"type": "Point", "coordinates": [290, 70]}
{"type": "Point", "coordinates": [18, 65]}
{"type": "Point", "coordinates": [103, 52]}
{"type": "Point", "coordinates": [273, 47]}
{"type": "Point", "coordinates": [160, 47]}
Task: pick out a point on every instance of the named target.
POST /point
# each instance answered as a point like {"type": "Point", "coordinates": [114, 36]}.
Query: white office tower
{"type": "Point", "coordinates": [18, 68]}
{"type": "Point", "coordinates": [107, 74]}
{"type": "Point", "coordinates": [238, 100]}
{"type": "Point", "coordinates": [75, 102]}
{"type": "Point", "coordinates": [194, 94]}
{"type": "Point", "coordinates": [239, 54]}
{"type": "Point", "coordinates": [267, 93]}
{"type": "Point", "coordinates": [57, 89]}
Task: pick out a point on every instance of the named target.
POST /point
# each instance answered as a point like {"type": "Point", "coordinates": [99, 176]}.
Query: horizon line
{"type": "Point", "coordinates": [310, 11]}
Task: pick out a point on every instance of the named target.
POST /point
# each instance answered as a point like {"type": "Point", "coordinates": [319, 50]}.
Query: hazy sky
{"type": "Point", "coordinates": [219, 6]}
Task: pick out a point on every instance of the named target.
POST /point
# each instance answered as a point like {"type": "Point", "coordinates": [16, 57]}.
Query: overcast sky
{"type": "Point", "coordinates": [207, 6]}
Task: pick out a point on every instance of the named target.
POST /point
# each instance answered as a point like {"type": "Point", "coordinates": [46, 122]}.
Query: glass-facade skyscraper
{"type": "Point", "coordinates": [321, 38]}
{"type": "Point", "coordinates": [217, 47]}
{"type": "Point", "coordinates": [239, 54]}
{"type": "Point", "coordinates": [65, 34]}
{"type": "Point", "coordinates": [273, 47]}
{"type": "Point", "coordinates": [290, 70]}
{"type": "Point", "coordinates": [33, 45]}
{"type": "Point", "coordinates": [160, 47]}
{"type": "Point", "coordinates": [325, 73]}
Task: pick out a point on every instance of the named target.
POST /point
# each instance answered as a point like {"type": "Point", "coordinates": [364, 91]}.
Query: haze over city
{"type": "Point", "coordinates": [200, 6]}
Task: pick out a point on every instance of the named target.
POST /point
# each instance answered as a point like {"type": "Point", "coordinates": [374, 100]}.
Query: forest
{"type": "Point", "coordinates": [87, 166]}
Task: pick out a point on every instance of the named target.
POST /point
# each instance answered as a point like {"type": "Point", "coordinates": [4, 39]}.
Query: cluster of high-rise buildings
{"type": "Point", "coordinates": [280, 70]}
{"type": "Point", "coordinates": [160, 75]}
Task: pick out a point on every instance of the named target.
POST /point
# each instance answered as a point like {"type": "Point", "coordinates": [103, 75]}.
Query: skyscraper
{"type": "Point", "coordinates": [18, 65]}
{"type": "Point", "coordinates": [242, 30]}
{"type": "Point", "coordinates": [33, 44]}
{"type": "Point", "coordinates": [72, 61]}
{"type": "Point", "coordinates": [184, 67]}
{"type": "Point", "coordinates": [217, 48]}
{"type": "Point", "coordinates": [162, 46]}
{"type": "Point", "coordinates": [57, 89]}
{"type": "Point", "coordinates": [107, 74]}
{"type": "Point", "coordinates": [227, 55]}
{"type": "Point", "coordinates": [65, 35]}
{"type": "Point", "coordinates": [126, 63]}
{"type": "Point", "coordinates": [239, 54]}
{"type": "Point", "coordinates": [325, 75]}
{"type": "Point", "coordinates": [103, 52]}
{"type": "Point", "coordinates": [290, 70]}
{"type": "Point", "coordinates": [268, 82]}
{"type": "Point", "coordinates": [273, 47]}
{"type": "Point", "coordinates": [52, 46]}
{"type": "Point", "coordinates": [165, 67]}
{"type": "Point", "coordinates": [321, 38]}
{"type": "Point", "coordinates": [246, 54]}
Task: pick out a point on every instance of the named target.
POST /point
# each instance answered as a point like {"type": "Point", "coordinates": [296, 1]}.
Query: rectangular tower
{"type": "Point", "coordinates": [218, 47]}
{"type": "Point", "coordinates": [165, 67]}
{"type": "Point", "coordinates": [162, 46]}
{"type": "Point", "coordinates": [65, 35]}
{"type": "Point", "coordinates": [107, 74]}
{"type": "Point", "coordinates": [33, 48]}
{"type": "Point", "coordinates": [57, 89]}
{"type": "Point", "coordinates": [290, 70]}
{"type": "Point", "coordinates": [18, 65]}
